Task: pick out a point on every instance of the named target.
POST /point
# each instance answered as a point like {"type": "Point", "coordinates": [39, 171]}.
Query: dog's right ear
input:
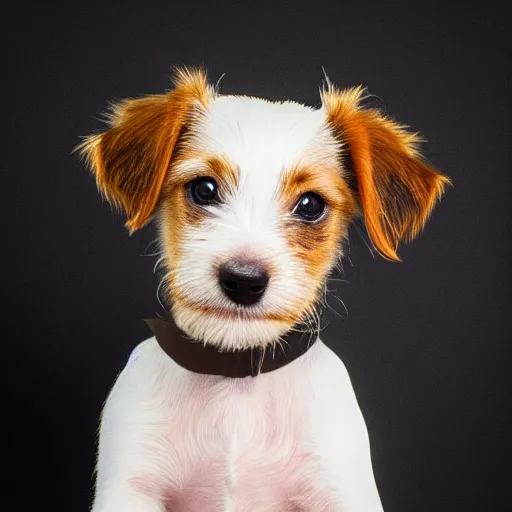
{"type": "Point", "coordinates": [131, 159]}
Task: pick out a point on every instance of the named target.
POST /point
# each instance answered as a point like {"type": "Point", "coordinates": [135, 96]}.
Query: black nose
{"type": "Point", "coordinates": [243, 282]}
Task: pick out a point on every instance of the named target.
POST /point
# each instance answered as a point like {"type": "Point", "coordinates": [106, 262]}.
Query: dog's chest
{"type": "Point", "coordinates": [236, 445]}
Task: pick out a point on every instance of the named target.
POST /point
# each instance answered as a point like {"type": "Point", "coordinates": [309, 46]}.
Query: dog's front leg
{"type": "Point", "coordinates": [129, 469]}
{"type": "Point", "coordinates": [124, 499]}
{"type": "Point", "coordinates": [341, 436]}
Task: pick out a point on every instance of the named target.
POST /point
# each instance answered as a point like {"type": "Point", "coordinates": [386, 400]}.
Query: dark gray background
{"type": "Point", "coordinates": [426, 341]}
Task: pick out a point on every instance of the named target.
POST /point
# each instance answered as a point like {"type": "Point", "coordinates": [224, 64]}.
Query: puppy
{"type": "Point", "coordinates": [253, 200]}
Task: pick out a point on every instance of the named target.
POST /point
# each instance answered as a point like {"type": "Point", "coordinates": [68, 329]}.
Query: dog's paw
{"type": "Point", "coordinates": [127, 503]}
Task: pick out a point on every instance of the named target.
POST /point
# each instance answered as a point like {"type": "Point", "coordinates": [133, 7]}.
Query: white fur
{"type": "Point", "coordinates": [145, 433]}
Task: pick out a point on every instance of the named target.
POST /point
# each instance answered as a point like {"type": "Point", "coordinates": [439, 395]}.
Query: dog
{"type": "Point", "coordinates": [253, 200]}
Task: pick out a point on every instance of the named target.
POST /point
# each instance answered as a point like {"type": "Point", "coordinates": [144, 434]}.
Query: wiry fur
{"type": "Point", "coordinates": [292, 440]}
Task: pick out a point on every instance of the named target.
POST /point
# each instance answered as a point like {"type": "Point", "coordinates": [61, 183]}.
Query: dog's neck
{"type": "Point", "coordinates": [199, 357]}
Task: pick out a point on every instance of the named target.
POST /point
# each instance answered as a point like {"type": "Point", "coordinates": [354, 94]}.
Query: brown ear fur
{"type": "Point", "coordinates": [397, 189]}
{"type": "Point", "coordinates": [131, 159]}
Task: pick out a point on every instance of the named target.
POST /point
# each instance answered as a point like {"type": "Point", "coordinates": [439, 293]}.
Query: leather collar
{"type": "Point", "coordinates": [207, 359]}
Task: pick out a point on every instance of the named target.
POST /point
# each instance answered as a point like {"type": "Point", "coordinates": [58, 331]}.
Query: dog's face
{"type": "Point", "coordinates": [251, 218]}
{"type": "Point", "coordinates": [252, 198]}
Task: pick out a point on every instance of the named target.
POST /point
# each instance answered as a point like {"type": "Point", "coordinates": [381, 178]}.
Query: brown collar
{"type": "Point", "coordinates": [207, 359]}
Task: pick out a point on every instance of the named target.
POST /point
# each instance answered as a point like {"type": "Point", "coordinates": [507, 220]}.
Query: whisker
{"type": "Point", "coordinates": [337, 313]}
{"type": "Point", "coordinates": [159, 261]}
{"type": "Point", "coordinates": [158, 288]}
{"type": "Point", "coordinates": [153, 242]}
{"type": "Point", "coordinates": [363, 238]}
{"type": "Point", "coordinates": [342, 303]}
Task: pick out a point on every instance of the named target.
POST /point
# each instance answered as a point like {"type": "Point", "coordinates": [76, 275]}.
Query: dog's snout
{"type": "Point", "coordinates": [243, 282]}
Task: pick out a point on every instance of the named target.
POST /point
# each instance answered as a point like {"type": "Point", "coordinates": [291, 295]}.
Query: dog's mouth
{"type": "Point", "coordinates": [234, 326]}
{"type": "Point", "coordinates": [238, 313]}
{"type": "Point", "coordinates": [235, 312]}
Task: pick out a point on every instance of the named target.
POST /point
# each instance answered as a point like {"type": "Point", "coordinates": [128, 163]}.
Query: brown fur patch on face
{"type": "Point", "coordinates": [316, 245]}
{"type": "Point", "coordinates": [190, 165]}
{"type": "Point", "coordinates": [178, 212]}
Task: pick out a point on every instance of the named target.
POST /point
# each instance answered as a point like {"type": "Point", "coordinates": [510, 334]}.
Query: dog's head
{"type": "Point", "coordinates": [254, 198]}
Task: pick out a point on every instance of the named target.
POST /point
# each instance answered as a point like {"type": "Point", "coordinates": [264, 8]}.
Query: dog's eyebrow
{"type": "Point", "coordinates": [322, 179]}
{"type": "Point", "coordinates": [190, 168]}
{"type": "Point", "coordinates": [216, 166]}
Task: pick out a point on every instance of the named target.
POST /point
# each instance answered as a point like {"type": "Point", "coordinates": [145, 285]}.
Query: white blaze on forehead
{"type": "Point", "coordinates": [263, 137]}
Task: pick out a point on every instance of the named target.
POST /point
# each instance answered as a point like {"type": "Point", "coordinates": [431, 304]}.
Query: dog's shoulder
{"type": "Point", "coordinates": [139, 349]}
{"type": "Point", "coordinates": [148, 359]}
{"type": "Point", "coordinates": [328, 363]}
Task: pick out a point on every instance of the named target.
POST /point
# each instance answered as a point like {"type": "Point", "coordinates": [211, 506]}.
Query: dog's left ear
{"type": "Point", "coordinates": [131, 159]}
{"type": "Point", "coordinates": [396, 188]}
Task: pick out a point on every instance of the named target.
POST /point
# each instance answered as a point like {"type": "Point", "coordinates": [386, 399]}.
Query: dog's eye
{"type": "Point", "coordinates": [310, 207]}
{"type": "Point", "coordinates": [203, 191]}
